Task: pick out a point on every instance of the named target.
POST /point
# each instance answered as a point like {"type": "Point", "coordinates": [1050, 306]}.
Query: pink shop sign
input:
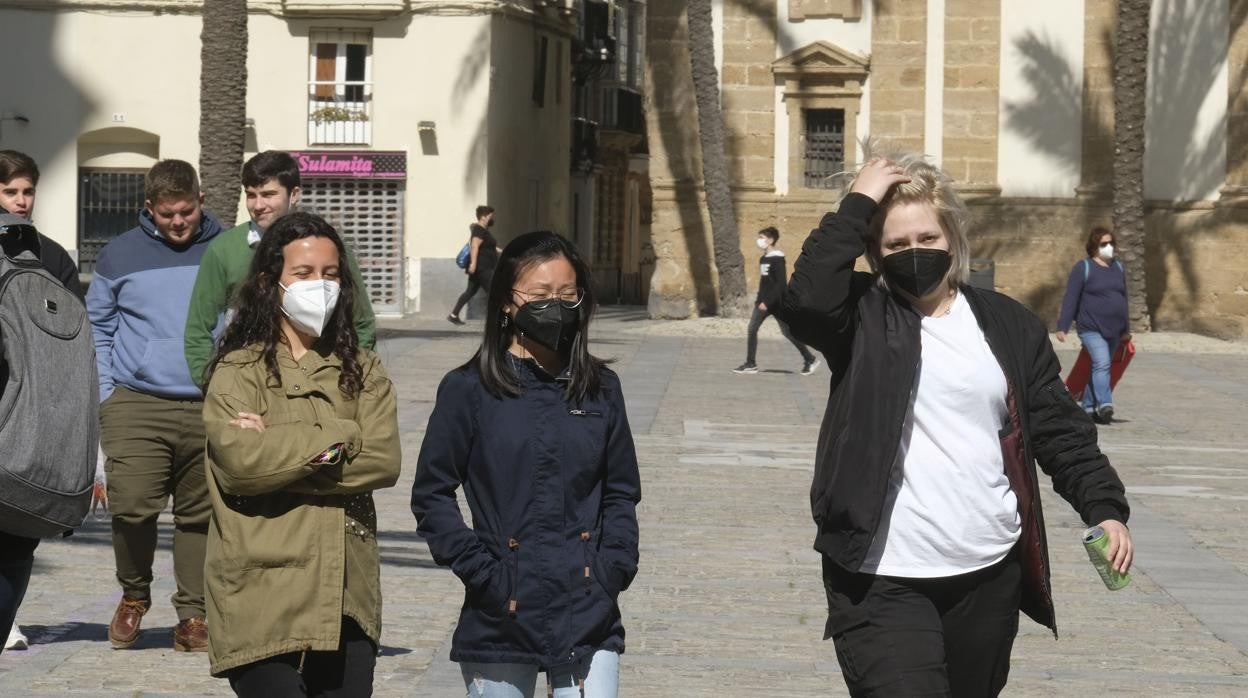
{"type": "Point", "coordinates": [361, 164]}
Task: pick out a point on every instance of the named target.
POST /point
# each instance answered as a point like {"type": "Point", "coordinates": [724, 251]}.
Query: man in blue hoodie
{"type": "Point", "coordinates": [151, 421]}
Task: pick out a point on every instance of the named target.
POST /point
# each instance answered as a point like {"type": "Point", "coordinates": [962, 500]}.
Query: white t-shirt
{"type": "Point", "coordinates": [950, 509]}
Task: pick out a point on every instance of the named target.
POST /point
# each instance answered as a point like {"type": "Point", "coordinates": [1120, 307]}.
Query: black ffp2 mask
{"type": "Point", "coordinates": [553, 327]}
{"type": "Point", "coordinates": [918, 270]}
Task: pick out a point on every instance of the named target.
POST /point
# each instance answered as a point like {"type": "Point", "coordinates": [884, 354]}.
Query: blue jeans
{"type": "Point", "coordinates": [1101, 350]}
{"type": "Point", "coordinates": [592, 677]}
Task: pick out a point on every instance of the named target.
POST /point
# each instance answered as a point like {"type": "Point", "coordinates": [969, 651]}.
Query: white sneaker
{"type": "Point", "coordinates": [16, 641]}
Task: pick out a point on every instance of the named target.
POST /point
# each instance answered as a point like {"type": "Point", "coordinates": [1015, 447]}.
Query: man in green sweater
{"type": "Point", "coordinates": [271, 180]}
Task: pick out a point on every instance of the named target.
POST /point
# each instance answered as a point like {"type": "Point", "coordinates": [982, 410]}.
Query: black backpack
{"type": "Point", "coordinates": [49, 394]}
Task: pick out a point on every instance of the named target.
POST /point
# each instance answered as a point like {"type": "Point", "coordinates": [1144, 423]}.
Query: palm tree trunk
{"type": "Point", "coordinates": [222, 104]}
{"type": "Point", "coordinates": [726, 242]}
{"type": "Point", "coordinates": [1130, 84]}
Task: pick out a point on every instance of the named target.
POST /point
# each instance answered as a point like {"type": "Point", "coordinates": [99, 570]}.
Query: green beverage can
{"type": "Point", "coordinates": [1097, 544]}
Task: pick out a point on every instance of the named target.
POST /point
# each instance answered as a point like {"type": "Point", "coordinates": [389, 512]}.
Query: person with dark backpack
{"type": "Point", "coordinates": [38, 497]}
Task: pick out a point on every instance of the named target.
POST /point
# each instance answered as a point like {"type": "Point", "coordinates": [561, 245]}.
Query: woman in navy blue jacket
{"type": "Point", "coordinates": [534, 429]}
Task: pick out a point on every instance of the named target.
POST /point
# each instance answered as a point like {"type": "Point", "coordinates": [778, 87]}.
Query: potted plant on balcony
{"type": "Point", "coordinates": [336, 123]}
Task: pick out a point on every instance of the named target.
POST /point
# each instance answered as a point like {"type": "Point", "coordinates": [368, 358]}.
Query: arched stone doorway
{"type": "Point", "coordinates": [111, 166]}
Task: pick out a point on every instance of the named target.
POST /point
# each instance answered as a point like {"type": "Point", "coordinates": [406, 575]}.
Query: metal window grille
{"type": "Point", "coordinates": [368, 213]}
{"type": "Point", "coordinates": [825, 147]}
{"type": "Point", "coordinates": [108, 205]}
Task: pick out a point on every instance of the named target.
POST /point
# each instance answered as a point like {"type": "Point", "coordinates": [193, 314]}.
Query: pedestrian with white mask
{"type": "Point", "coordinates": [1096, 301]}
{"type": "Point", "coordinates": [302, 428]}
{"type": "Point", "coordinates": [771, 282]}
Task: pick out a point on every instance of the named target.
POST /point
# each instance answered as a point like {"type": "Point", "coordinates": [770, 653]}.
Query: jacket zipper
{"type": "Point", "coordinates": [513, 545]}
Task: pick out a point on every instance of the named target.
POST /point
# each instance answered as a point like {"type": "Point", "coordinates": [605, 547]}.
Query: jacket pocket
{"type": "Point", "coordinates": [598, 570]}
{"type": "Point", "coordinates": [497, 598]}
{"type": "Point", "coordinates": [585, 537]}
{"type": "Point", "coordinates": [513, 550]}
{"type": "Point", "coordinates": [845, 627]}
{"type": "Point", "coordinates": [256, 532]}
{"type": "Point", "coordinates": [493, 598]}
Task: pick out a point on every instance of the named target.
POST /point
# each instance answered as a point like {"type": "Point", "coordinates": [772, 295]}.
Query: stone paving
{"type": "Point", "coordinates": [729, 601]}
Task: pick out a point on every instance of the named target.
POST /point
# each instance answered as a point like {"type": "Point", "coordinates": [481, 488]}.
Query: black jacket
{"type": "Point", "coordinates": [872, 343]}
{"type": "Point", "coordinates": [771, 279]}
{"type": "Point", "coordinates": [553, 488]}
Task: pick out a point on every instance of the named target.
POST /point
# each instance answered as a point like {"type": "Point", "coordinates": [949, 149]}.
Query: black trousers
{"type": "Point", "coordinates": [751, 336]}
{"type": "Point", "coordinates": [948, 636]}
{"type": "Point", "coordinates": [17, 557]}
{"type": "Point", "coordinates": [346, 672]}
{"type": "Point", "coordinates": [480, 280]}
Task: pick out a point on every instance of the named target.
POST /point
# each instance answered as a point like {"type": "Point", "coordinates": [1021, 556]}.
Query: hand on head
{"type": "Point", "coordinates": [878, 177]}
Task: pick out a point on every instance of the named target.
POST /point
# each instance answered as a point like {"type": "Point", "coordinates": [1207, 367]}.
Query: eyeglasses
{"type": "Point", "coordinates": [568, 297]}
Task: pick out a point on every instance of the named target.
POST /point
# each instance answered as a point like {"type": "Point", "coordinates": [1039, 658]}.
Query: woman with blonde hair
{"type": "Point", "coordinates": [943, 398]}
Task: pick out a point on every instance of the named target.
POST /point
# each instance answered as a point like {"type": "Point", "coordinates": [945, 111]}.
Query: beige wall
{"type": "Point", "coordinates": [82, 68]}
{"type": "Point", "coordinates": [442, 188]}
{"type": "Point", "coordinates": [453, 70]}
{"type": "Point", "coordinates": [1051, 113]}
{"type": "Point", "coordinates": [529, 153]}
{"type": "Point", "coordinates": [1041, 54]}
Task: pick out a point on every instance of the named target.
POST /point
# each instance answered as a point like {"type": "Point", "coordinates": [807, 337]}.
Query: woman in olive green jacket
{"type": "Point", "coordinates": [302, 428]}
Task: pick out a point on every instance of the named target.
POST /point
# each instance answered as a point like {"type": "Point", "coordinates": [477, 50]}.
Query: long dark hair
{"type": "Point", "coordinates": [257, 305]}
{"type": "Point", "coordinates": [492, 361]}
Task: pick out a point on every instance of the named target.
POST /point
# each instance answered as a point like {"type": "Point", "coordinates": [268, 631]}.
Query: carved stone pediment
{"type": "Point", "coordinates": [821, 60]}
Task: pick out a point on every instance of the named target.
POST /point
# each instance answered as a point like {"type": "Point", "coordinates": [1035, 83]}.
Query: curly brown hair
{"type": "Point", "coordinates": [257, 305]}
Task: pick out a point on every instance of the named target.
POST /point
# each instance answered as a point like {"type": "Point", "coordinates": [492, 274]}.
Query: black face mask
{"type": "Point", "coordinates": [553, 327]}
{"type": "Point", "coordinates": [917, 271]}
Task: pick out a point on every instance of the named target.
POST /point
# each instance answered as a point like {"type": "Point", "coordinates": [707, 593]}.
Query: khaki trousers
{"type": "Point", "coordinates": [154, 448]}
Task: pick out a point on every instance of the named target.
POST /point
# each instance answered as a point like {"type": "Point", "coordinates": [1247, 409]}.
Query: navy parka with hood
{"type": "Point", "coordinates": [552, 486]}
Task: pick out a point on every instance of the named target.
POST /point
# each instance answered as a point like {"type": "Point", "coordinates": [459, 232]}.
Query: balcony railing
{"type": "Point", "coordinates": [340, 113]}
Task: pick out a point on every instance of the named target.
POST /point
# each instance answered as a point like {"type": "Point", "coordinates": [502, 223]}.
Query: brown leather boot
{"type": "Point", "coordinates": [191, 635]}
{"type": "Point", "coordinates": [124, 629]}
